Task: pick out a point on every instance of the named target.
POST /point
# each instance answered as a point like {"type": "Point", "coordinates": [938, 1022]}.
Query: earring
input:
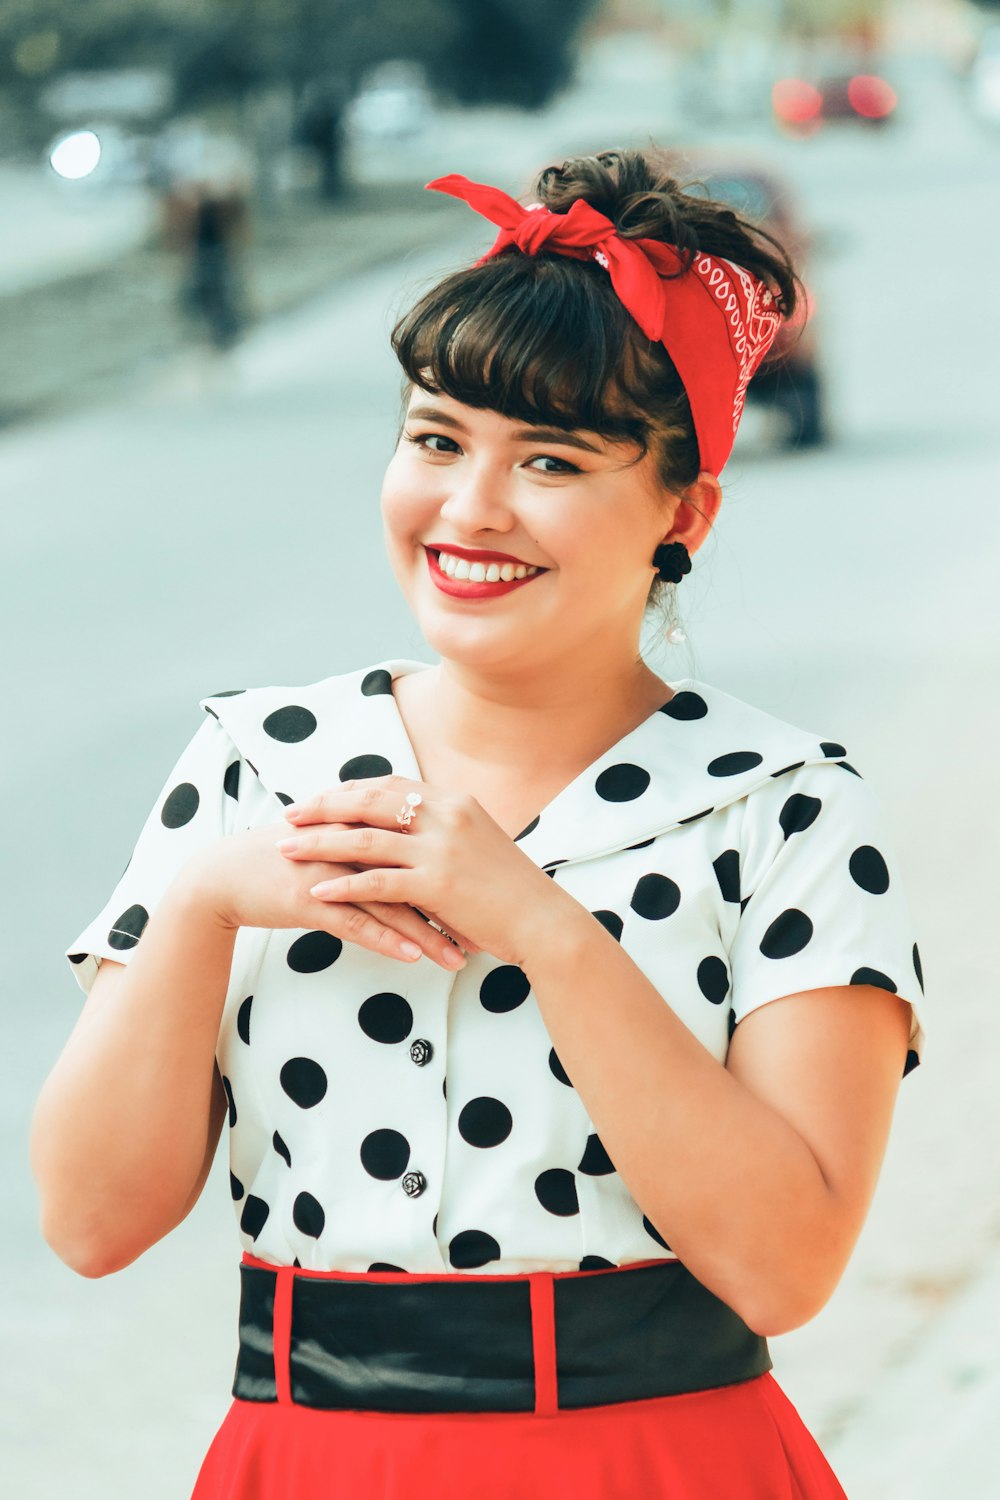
{"type": "Point", "coordinates": [671, 560]}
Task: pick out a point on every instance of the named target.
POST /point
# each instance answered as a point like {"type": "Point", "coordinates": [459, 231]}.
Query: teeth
{"type": "Point", "coordinates": [478, 572]}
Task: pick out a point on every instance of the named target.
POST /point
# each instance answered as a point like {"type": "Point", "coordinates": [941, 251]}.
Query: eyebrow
{"type": "Point", "coordinates": [520, 435]}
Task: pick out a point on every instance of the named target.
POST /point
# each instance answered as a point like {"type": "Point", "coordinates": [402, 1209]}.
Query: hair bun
{"type": "Point", "coordinates": [638, 191]}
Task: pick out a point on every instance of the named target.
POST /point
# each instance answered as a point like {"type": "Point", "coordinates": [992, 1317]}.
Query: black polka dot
{"type": "Point", "coordinates": [557, 1070]}
{"type": "Point", "coordinates": [303, 1080]}
{"type": "Point", "coordinates": [472, 1248]}
{"type": "Point", "coordinates": [78, 958]}
{"type": "Point", "coordinates": [713, 979]}
{"type": "Point", "coordinates": [556, 1192]}
{"type": "Point", "coordinates": [655, 897]}
{"type": "Point", "coordinates": [314, 951]}
{"type": "Point", "coordinates": [308, 1215]}
{"type": "Point", "coordinates": [385, 1265]}
{"type": "Point", "coordinates": [869, 870]}
{"type": "Point", "coordinates": [180, 806]}
{"type": "Point", "coordinates": [243, 1020]}
{"type": "Point", "coordinates": [484, 1122]}
{"type": "Point", "coordinates": [386, 1017]}
{"type": "Point", "coordinates": [797, 813]}
{"type": "Point", "coordinates": [685, 705]}
{"type": "Point", "coordinates": [597, 1263]}
{"type": "Point", "coordinates": [695, 816]}
{"type": "Point", "coordinates": [787, 934]}
{"type": "Point", "coordinates": [918, 966]}
{"type": "Point", "coordinates": [254, 1216]}
{"type": "Point", "coordinates": [379, 681]}
{"type": "Point", "coordinates": [611, 921]}
{"type": "Point", "coordinates": [743, 904]}
{"type": "Point", "coordinates": [621, 783]}
{"type": "Point", "coordinates": [595, 1160]}
{"type": "Point", "coordinates": [653, 1232]}
{"type": "Point", "coordinates": [360, 766]}
{"type": "Point", "coordinates": [284, 799]}
{"type": "Point", "coordinates": [128, 929]}
{"type": "Point", "coordinates": [385, 1154]}
{"type": "Point", "coordinates": [735, 762]}
{"type": "Point", "coordinates": [731, 1022]}
{"type": "Point", "coordinates": [848, 767]}
{"type": "Point", "coordinates": [912, 1061]}
{"type": "Point", "coordinates": [643, 844]}
{"type": "Point", "coordinates": [785, 769]}
{"type": "Point", "coordinates": [229, 1100]}
{"type": "Point", "coordinates": [529, 828]}
{"type": "Point", "coordinates": [231, 780]}
{"type": "Point", "coordinates": [832, 749]}
{"type": "Point", "coordinates": [504, 988]}
{"type": "Point", "coordinates": [228, 693]}
{"type": "Point", "coordinates": [236, 1187]}
{"type": "Point", "coordinates": [290, 724]}
{"type": "Point", "coordinates": [873, 976]}
{"type": "Point", "coordinates": [253, 768]}
{"type": "Point", "coordinates": [281, 1148]}
{"type": "Point", "coordinates": [727, 873]}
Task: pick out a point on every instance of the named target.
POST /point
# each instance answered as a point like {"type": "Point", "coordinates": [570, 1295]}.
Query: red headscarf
{"type": "Point", "coordinates": [716, 322]}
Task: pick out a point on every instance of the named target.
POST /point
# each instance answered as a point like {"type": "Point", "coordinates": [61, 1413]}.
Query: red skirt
{"type": "Point", "coordinates": [738, 1441]}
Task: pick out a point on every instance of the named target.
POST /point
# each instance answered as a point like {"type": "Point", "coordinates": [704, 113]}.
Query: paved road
{"type": "Point", "coordinates": [221, 529]}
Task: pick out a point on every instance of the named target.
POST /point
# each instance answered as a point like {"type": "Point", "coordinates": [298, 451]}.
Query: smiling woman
{"type": "Point", "coordinates": [557, 1011]}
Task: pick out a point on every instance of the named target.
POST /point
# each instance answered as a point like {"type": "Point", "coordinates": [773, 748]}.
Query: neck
{"type": "Point", "coordinates": [504, 718]}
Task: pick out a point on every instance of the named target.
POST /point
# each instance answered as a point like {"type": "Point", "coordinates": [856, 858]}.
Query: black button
{"type": "Point", "coordinates": [414, 1184]}
{"type": "Point", "coordinates": [421, 1051]}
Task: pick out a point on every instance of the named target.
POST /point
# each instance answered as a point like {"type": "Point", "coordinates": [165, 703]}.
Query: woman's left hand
{"type": "Point", "coordinates": [456, 865]}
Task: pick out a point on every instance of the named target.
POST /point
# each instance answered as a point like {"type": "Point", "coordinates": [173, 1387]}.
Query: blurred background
{"type": "Point", "coordinates": [212, 214]}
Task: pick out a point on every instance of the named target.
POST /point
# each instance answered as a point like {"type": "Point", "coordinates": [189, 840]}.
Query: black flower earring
{"type": "Point", "coordinates": [671, 560]}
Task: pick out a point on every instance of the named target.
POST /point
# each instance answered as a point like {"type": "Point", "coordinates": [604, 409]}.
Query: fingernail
{"type": "Point", "coordinates": [453, 958]}
{"type": "Point", "coordinates": [286, 845]}
{"type": "Point", "coordinates": [410, 949]}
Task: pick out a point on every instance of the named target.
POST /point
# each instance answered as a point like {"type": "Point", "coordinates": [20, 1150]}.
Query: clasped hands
{"type": "Point", "coordinates": [455, 865]}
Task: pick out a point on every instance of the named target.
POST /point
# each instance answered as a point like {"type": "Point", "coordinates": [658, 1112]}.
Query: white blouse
{"type": "Point", "coordinates": [396, 1116]}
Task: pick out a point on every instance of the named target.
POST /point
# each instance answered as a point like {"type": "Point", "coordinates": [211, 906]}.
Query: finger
{"type": "Point", "coordinates": [357, 924]}
{"type": "Point", "coordinates": [358, 844]}
{"type": "Point", "coordinates": [414, 927]}
{"type": "Point", "coordinates": [450, 932]}
{"type": "Point", "coordinates": [370, 799]}
{"type": "Point", "coordinates": [367, 885]}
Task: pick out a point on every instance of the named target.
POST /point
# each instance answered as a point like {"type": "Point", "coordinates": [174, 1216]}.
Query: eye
{"type": "Point", "coordinates": [564, 466]}
{"type": "Point", "coordinates": [423, 439]}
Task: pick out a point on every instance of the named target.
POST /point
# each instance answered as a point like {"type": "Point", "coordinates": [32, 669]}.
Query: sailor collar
{"type": "Point", "coordinates": [700, 751]}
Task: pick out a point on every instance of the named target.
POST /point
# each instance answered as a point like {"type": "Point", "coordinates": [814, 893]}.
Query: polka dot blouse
{"type": "Point", "coordinates": [385, 1116]}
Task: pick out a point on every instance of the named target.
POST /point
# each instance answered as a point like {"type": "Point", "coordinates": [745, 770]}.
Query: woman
{"type": "Point", "coordinates": [478, 958]}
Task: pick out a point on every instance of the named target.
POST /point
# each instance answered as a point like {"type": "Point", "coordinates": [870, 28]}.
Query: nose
{"type": "Point", "coordinates": [478, 500]}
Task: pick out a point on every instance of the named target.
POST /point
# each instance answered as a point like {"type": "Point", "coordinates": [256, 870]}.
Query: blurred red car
{"type": "Point", "coordinates": [803, 104]}
{"type": "Point", "coordinates": [789, 377]}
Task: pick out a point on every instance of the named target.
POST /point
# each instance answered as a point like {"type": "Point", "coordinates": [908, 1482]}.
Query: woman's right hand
{"type": "Point", "coordinates": [246, 882]}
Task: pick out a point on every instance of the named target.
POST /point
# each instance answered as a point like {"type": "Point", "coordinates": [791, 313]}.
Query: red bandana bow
{"type": "Point", "coordinates": [716, 322]}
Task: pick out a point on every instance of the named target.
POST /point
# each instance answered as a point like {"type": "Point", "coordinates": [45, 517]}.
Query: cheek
{"type": "Point", "coordinates": [406, 501]}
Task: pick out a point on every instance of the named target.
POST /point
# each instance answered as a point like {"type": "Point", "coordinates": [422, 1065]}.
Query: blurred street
{"type": "Point", "coordinates": [215, 525]}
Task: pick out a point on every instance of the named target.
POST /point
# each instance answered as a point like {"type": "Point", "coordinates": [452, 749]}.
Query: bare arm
{"type": "Point", "coordinates": [759, 1173]}
{"type": "Point", "coordinates": [127, 1123]}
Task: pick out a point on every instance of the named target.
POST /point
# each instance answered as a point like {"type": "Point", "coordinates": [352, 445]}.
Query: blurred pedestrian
{"type": "Point", "coordinates": [517, 1219]}
{"type": "Point", "coordinates": [206, 219]}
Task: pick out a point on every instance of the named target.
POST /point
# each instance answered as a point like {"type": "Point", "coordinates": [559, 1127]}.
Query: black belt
{"type": "Point", "coordinates": [541, 1342]}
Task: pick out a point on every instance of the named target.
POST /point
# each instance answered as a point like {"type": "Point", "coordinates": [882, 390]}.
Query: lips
{"type": "Point", "coordinates": [464, 588]}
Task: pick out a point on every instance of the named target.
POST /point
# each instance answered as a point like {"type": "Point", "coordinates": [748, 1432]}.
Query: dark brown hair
{"type": "Point", "coordinates": [544, 339]}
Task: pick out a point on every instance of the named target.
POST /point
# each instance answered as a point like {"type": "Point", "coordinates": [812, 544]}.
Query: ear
{"type": "Point", "coordinates": [696, 511]}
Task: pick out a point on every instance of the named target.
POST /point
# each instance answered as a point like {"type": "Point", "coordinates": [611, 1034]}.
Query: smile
{"type": "Point", "coordinates": [464, 580]}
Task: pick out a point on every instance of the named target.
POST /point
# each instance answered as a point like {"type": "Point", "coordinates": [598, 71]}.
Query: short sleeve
{"type": "Point", "coordinates": [196, 805]}
{"type": "Point", "coordinates": [822, 896]}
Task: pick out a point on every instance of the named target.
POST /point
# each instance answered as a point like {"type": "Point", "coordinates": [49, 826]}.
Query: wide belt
{"type": "Point", "coordinates": [538, 1342]}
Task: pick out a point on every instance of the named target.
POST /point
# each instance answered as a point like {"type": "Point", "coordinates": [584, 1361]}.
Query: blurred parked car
{"type": "Point", "coordinates": [983, 78]}
{"type": "Point", "coordinates": [846, 90]}
{"type": "Point", "coordinates": [393, 103]}
{"type": "Point", "coordinates": [789, 378]}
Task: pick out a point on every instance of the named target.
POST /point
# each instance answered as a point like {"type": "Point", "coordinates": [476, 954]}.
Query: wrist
{"type": "Point", "coordinates": [200, 886]}
{"type": "Point", "coordinates": [551, 927]}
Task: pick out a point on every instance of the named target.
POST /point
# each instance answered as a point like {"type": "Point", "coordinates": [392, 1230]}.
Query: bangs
{"type": "Point", "coordinates": [541, 339]}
